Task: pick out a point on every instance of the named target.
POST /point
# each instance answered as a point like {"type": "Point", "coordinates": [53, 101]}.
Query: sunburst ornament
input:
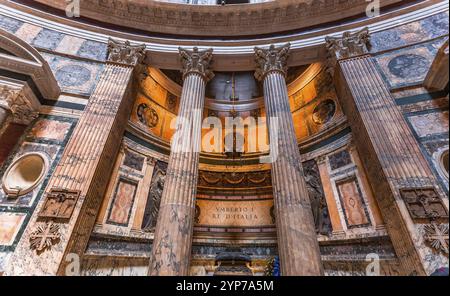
{"type": "Point", "coordinates": [44, 237]}
{"type": "Point", "coordinates": [437, 236]}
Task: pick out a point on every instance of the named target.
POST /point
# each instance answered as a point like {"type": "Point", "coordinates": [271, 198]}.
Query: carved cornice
{"type": "Point", "coordinates": [273, 59]}
{"type": "Point", "coordinates": [348, 46]}
{"type": "Point", "coordinates": [125, 53]}
{"type": "Point", "coordinates": [23, 111]}
{"type": "Point", "coordinates": [218, 20]}
{"type": "Point", "coordinates": [197, 61]}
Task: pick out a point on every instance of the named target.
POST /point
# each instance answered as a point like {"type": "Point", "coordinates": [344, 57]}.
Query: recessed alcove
{"type": "Point", "coordinates": [24, 174]}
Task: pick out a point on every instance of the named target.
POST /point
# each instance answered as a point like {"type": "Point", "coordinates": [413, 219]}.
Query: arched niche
{"type": "Point", "coordinates": [24, 174]}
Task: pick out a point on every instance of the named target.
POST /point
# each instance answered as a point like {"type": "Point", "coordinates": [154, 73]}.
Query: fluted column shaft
{"type": "Point", "coordinates": [85, 167]}
{"type": "Point", "coordinates": [297, 241]}
{"type": "Point", "coordinates": [388, 149]}
{"type": "Point", "coordinates": [172, 245]}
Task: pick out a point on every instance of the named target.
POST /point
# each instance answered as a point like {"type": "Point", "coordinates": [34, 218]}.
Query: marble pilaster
{"type": "Point", "coordinates": [388, 150]}
{"type": "Point", "coordinates": [171, 252]}
{"type": "Point", "coordinates": [82, 174]}
{"type": "Point", "coordinates": [297, 241]}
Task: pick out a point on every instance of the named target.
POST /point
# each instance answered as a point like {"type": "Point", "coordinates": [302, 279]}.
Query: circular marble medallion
{"type": "Point", "coordinates": [72, 75]}
{"type": "Point", "coordinates": [324, 112]}
{"type": "Point", "coordinates": [147, 115]}
{"type": "Point", "coordinates": [408, 66]}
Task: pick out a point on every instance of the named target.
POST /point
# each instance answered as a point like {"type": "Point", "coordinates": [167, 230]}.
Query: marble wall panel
{"type": "Point", "coordinates": [50, 129]}
{"type": "Point", "coordinates": [93, 50]}
{"type": "Point", "coordinates": [228, 213]}
{"type": "Point", "coordinates": [49, 140]}
{"type": "Point", "coordinates": [76, 77]}
{"type": "Point", "coordinates": [10, 224]}
{"type": "Point", "coordinates": [9, 24]}
{"type": "Point", "coordinates": [352, 203]}
{"type": "Point", "coordinates": [428, 124]}
{"type": "Point", "coordinates": [55, 41]}
{"type": "Point", "coordinates": [408, 66]}
{"type": "Point", "coordinates": [27, 32]}
{"type": "Point", "coordinates": [48, 39]}
{"type": "Point", "coordinates": [122, 203]}
{"type": "Point", "coordinates": [428, 28]}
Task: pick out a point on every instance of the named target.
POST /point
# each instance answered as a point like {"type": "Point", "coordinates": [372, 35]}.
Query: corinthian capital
{"type": "Point", "coordinates": [197, 61]}
{"type": "Point", "coordinates": [271, 59]}
{"type": "Point", "coordinates": [125, 53]}
{"type": "Point", "coordinates": [348, 46]}
{"type": "Point", "coordinates": [22, 110]}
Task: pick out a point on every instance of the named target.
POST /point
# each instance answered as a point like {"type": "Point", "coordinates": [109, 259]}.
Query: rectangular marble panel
{"type": "Point", "coordinates": [9, 24]}
{"type": "Point", "coordinates": [352, 203]}
{"type": "Point", "coordinates": [93, 50]}
{"type": "Point", "coordinates": [28, 32]}
{"type": "Point", "coordinates": [133, 160]}
{"type": "Point", "coordinates": [122, 203]}
{"type": "Point", "coordinates": [428, 28]}
{"type": "Point", "coordinates": [76, 77]}
{"type": "Point", "coordinates": [50, 129]}
{"type": "Point", "coordinates": [220, 213]}
{"type": "Point", "coordinates": [408, 66]}
{"type": "Point", "coordinates": [430, 123]}
{"type": "Point", "coordinates": [69, 45]}
{"type": "Point", "coordinates": [9, 226]}
{"type": "Point", "coordinates": [48, 39]}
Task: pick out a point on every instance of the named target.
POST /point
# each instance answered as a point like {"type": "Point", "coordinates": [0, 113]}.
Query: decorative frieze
{"type": "Point", "coordinates": [219, 20]}
{"type": "Point", "coordinates": [234, 179]}
{"type": "Point", "coordinates": [273, 59]}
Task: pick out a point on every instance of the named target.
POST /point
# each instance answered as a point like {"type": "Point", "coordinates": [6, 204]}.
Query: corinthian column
{"type": "Point", "coordinates": [297, 242]}
{"type": "Point", "coordinates": [411, 202]}
{"type": "Point", "coordinates": [65, 215]}
{"type": "Point", "coordinates": [171, 251]}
